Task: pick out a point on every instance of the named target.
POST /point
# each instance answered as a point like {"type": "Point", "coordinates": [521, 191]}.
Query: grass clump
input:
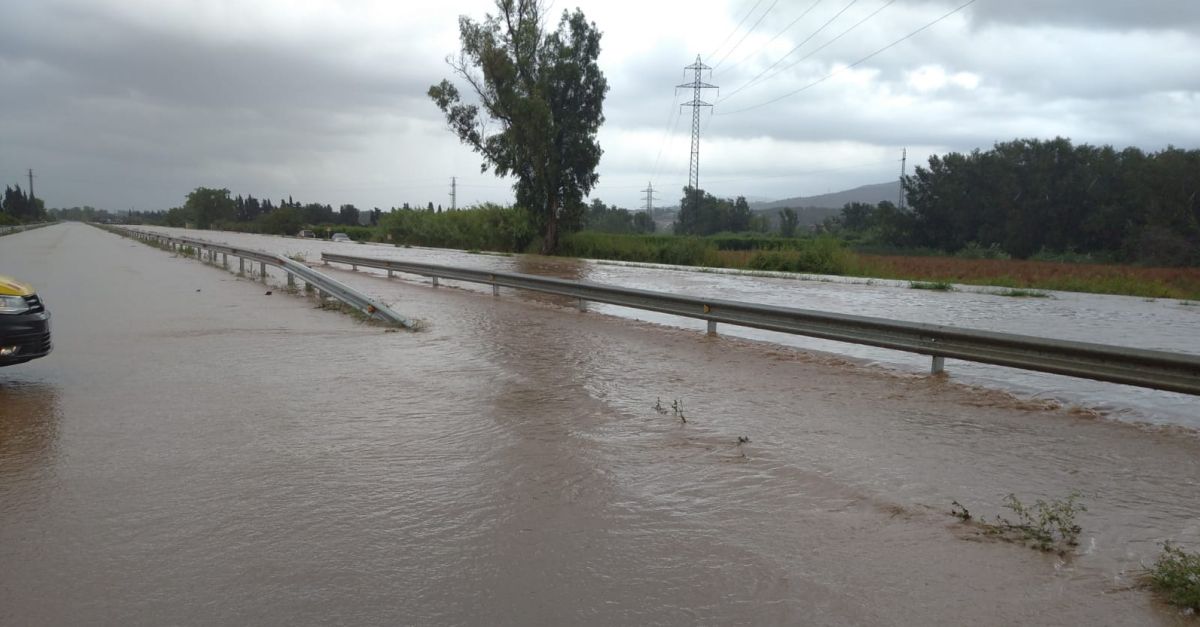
{"type": "Point", "coordinates": [938, 286]}
{"type": "Point", "coordinates": [1176, 576]}
{"type": "Point", "coordinates": [1020, 293]}
{"type": "Point", "coordinates": [1046, 526]}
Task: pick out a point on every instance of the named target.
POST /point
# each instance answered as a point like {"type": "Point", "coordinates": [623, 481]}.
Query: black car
{"type": "Point", "coordinates": [24, 323]}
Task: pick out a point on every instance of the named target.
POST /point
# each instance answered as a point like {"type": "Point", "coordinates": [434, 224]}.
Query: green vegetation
{"type": "Point", "coordinates": [1019, 293]}
{"type": "Point", "coordinates": [1027, 215]}
{"type": "Point", "coordinates": [1046, 200]}
{"type": "Point", "coordinates": [1176, 576]}
{"type": "Point", "coordinates": [487, 227]}
{"type": "Point", "coordinates": [544, 91]}
{"type": "Point", "coordinates": [688, 251]}
{"type": "Point", "coordinates": [823, 255]}
{"type": "Point", "coordinates": [17, 207]}
{"type": "Point", "coordinates": [701, 213]}
{"type": "Point", "coordinates": [939, 286]}
{"type": "Point", "coordinates": [1046, 526]}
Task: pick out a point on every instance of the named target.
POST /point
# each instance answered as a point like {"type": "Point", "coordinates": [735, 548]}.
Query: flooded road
{"type": "Point", "coordinates": [1162, 324]}
{"type": "Point", "coordinates": [197, 452]}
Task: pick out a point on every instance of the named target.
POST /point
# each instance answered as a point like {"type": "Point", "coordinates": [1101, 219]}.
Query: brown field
{"type": "Point", "coordinates": [1181, 283]}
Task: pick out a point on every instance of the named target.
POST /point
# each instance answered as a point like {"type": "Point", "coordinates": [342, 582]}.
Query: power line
{"type": "Point", "coordinates": [856, 63]}
{"type": "Point", "coordinates": [780, 33]}
{"type": "Point", "coordinates": [748, 33]}
{"type": "Point", "coordinates": [735, 29]}
{"type": "Point", "coordinates": [828, 43]}
{"type": "Point", "coordinates": [797, 47]}
{"type": "Point", "coordinates": [672, 119]}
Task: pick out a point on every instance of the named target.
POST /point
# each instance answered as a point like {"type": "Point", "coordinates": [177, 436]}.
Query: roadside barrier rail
{"type": "Point", "coordinates": [324, 285]}
{"type": "Point", "coordinates": [1162, 370]}
{"type": "Point", "coordinates": [6, 230]}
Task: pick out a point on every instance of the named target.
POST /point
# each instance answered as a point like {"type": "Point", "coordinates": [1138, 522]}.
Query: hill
{"type": "Point", "coordinates": [871, 194]}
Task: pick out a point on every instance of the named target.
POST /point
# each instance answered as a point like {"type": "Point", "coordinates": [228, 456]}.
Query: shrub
{"type": "Point", "coordinates": [824, 255]}
{"type": "Point", "coordinates": [974, 250]}
{"type": "Point", "coordinates": [1176, 576]}
{"type": "Point", "coordinates": [1047, 526]}
{"type": "Point", "coordinates": [486, 227]}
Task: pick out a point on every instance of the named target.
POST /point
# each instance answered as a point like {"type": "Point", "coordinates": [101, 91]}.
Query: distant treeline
{"type": "Point", "coordinates": [1025, 198]}
{"type": "Point", "coordinates": [1029, 197]}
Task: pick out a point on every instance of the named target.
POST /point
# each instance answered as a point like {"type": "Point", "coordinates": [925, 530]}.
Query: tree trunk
{"type": "Point", "coordinates": [550, 237]}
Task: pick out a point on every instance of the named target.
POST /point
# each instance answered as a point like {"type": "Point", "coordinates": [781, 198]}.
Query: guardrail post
{"type": "Point", "coordinates": [712, 327]}
{"type": "Point", "coordinates": [353, 268]}
{"type": "Point", "coordinates": [435, 281]}
{"type": "Point", "coordinates": [495, 290]}
{"type": "Point", "coordinates": [262, 271]}
{"type": "Point", "coordinates": [939, 365]}
{"type": "Point", "coordinates": [225, 260]}
{"type": "Point", "coordinates": [241, 265]}
{"type": "Point", "coordinates": [391, 274]}
{"type": "Point", "coordinates": [291, 281]}
{"type": "Point", "coordinates": [582, 305]}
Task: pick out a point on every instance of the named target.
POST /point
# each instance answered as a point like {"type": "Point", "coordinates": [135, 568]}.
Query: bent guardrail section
{"type": "Point", "coordinates": [1162, 370]}
{"type": "Point", "coordinates": [324, 285]}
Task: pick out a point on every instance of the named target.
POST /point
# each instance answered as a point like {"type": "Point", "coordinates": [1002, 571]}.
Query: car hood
{"type": "Point", "coordinates": [13, 287]}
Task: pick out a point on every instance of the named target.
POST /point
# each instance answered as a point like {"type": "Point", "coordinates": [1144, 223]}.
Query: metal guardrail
{"type": "Point", "coordinates": [7, 230]}
{"type": "Point", "coordinates": [1162, 370]}
{"type": "Point", "coordinates": [324, 286]}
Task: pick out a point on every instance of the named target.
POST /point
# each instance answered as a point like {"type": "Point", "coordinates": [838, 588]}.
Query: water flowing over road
{"type": "Point", "coordinates": [196, 451]}
{"type": "Point", "coordinates": [1162, 324]}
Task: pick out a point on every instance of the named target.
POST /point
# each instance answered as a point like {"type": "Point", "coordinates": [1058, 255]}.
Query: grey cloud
{"type": "Point", "coordinates": [1106, 14]}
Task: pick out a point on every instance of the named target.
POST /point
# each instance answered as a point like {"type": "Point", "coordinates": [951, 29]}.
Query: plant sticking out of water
{"type": "Point", "coordinates": [1176, 576]}
{"type": "Point", "coordinates": [939, 286]}
{"type": "Point", "coordinates": [658, 406]}
{"type": "Point", "coordinates": [297, 257]}
{"type": "Point", "coordinates": [1022, 293]}
{"type": "Point", "coordinates": [1046, 526]}
{"type": "Point", "coordinates": [677, 407]}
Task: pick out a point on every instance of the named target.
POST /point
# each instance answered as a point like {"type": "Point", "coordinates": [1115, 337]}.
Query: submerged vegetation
{"type": "Point", "coordinates": [1176, 576]}
{"type": "Point", "coordinates": [1045, 525]}
{"type": "Point", "coordinates": [937, 286]}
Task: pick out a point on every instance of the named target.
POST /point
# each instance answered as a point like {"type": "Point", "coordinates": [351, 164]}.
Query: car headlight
{"type": "Point", "coordinates": [13, 305]}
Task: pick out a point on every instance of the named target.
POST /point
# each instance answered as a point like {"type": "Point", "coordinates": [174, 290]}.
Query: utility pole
{"type": "Point", "coordinates": [649, 192]}
{"type": "Point", "coordinates": [31, 185]}
{"type": "Point", "coordinates": [453, 193]}
{"type": "Point", "coordinates": [696, 85]}
{"type": "Point", "coordinates": [903, 163]}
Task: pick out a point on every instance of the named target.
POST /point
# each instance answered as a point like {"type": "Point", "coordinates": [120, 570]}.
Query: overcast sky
{"type": "Point", "coordinates": [132, 103]}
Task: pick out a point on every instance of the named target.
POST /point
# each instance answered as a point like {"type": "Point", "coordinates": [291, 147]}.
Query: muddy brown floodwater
{"type": "Point", "coordinates": [197, 452]}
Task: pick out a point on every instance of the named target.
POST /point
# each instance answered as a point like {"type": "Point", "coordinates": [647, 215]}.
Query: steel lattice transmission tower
{"type": "Point", "coordinates": [696, 104]}
{"type": "Point", "coordinates": [649, 192]}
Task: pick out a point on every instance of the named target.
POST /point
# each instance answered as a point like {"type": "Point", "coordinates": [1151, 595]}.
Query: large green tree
{"type": "Point", "coordinates": [543, 92]}
{"type": "Point", "coordinates": [206, 206]}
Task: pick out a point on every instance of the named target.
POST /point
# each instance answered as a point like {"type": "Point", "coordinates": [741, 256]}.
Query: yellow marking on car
{"type": "Point", "coordinates": [13, 287]}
